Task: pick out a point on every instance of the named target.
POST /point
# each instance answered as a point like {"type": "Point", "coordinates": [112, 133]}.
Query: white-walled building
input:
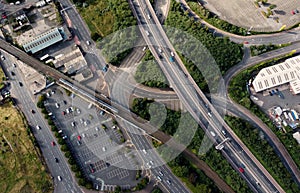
{"type": "Point", "coordinates": [287, 72]}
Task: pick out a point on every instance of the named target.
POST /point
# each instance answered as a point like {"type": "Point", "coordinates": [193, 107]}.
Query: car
{"type": "Point", "coordinates": [52, 92]}
{"type": "Point", "coordinates": [102, 112]}
{"type": "Point", "coordinates": [96, 128]}
{"type": "Point", "coordinates": [246, 42]}
{"type": "Point", "coordinates": [151, 162]}
{"type": "Point", "coordinates": [160, 173]}
{"type": "Point", "coordinates": [224, 132]}
{"type": "Point", "coordinates": [20, 83]}
{"type": "Point", "coordinates": [63, 112]}
{"type": "Point", "coordinates": [60, 131]}
{"type": "Point", "coordinates": [144, 151]}
{"type": "Point", "coordinates": [59, 178]}
{"type": "Point", "coordinates": [241, 170]}
{"type": "Point", "coordinates": [160, 56]}
{"type": "Point", "coordinates": [159, 178]}
{"type": "Point", "coordinates": [78, 111]}
{"type": "Point", "coordinates": [79, 137]}
{"type": "Point", "coordinates": [88, 42]}
{"type": "Point", "coordinates": [2, 57]}
{"type": "Point", "coordinates": [4, 16]}
{"type": "Point", "coordinates": [78, 143]}
{"type": "Point", "coordinates": [32, 111]}
{"type": "Point", "coordinates": [38, 127]}
{"type": "Point", "coordinates": [144, 49]}
{"type": "Point", "coordinates": [56, 160]}
{"type": "Point", "coordinates": [65, 102]}
{"type": "Point", "coordinates": [53, 143]}
{"type": "Point", "coordinates": [160, 50]}
{"type": "Point", "coordinates": [104, 69]}
{"type": "Point", "coordinates": [169, 182]}
{"type": "Point", "coordinates": [73, 124]}
{"type": "Point", "coordinates": [270, 93]}
{"type": "Point", "coordinates": [12, 73]}
{"type": "Point", "coordinates": [65, 137]}
{"type": "Point", "coordinates": [81, 120]}
{"type": "Point", "coordinates": [15, 65]}
{"type": "Point", "coordinates": [242, 165]}
{"type": "Point", "coordinates": [57, 105]}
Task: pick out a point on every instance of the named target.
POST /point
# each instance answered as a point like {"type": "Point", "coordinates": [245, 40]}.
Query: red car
{"type": "Point", "coordinates": [63, 113]}
{"type": "Point", "coordinates": [79, 137]}
{"type": "Point", "coordinates": [241, 170]}
{"type": "Point", "coordinates": [246, 42]}
{"type": "Point", "coordinates": [53, 143]}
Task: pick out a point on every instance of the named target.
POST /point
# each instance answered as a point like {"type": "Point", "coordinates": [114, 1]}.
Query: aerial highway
{"type": "Point", "coordinates": [129, 118]}
{"type": "Point", "coordinates": [190, 98]}
{"type": "Point", "coordinates": [144, 92]}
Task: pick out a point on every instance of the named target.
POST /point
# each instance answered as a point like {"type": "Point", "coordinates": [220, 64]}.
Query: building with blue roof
{"type": "Point", "coordinates": [44, 40]}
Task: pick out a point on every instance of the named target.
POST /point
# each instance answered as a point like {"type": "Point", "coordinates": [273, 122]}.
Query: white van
{"type": "Point", "coordinates": [212, 133]}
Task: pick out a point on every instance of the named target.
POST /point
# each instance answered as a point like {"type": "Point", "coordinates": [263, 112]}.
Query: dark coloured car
{"type": "Point", "coordinates": [12, 73]}
{"type": "Point", "coordinates": [56, 160]}
{"type": "Point", "coordinates": [32, 111]}
{"type": "Point", "coordinates": [20, 83]}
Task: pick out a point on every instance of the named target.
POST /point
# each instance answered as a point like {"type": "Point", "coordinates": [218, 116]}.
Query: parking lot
{"type": "Point", "coordinates": [278, 103]}
{"type": "Point", "coordinates": [91, 135]}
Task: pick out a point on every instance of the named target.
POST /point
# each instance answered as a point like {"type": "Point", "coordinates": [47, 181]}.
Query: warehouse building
{"type": "Point", "coordinates": [44, 40]}
{"type": "Point", "coordinates": [287, 72]}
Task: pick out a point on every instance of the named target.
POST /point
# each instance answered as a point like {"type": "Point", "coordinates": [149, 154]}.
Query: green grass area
{"type": "Point", "coordinates": [262, 150]}
{"type": "Point", "coordinates": [149, 73]}
{"type": "Point", "coordinates": [21, 169]}
{"type": "Point", "coordinates": [260, 49]}
{"type": "Point", "coordinates": [106, 16]}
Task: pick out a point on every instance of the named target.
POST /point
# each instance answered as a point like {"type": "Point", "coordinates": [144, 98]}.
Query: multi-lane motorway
{"type": "Point", "coordinates": [186, 93]}
{"type": "Point", "coordinates": [180, 187]}
{"type": "Point", "coordinates": [44, 136]}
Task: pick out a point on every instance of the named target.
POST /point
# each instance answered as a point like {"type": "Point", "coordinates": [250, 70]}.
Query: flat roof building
{"type": "Point", "coordinates": [287, 72]}
{"type": "Point", "coordinates": [43, 41]}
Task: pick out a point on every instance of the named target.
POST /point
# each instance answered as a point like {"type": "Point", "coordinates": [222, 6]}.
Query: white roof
{"type": "Point", "coordinates": [286, 72]}
{"type": "Point", "coordinates": [297, 136]}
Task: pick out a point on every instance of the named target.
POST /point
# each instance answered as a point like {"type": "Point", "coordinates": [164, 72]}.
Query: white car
{"type": "Point", "coordinates": [144, 151]}
{"type": "Point", "coordinates": [59, 178]}
{"type": "Point", "coordinates": [65, 137]}
{"type": "Point", "coordinates": [38, 127]}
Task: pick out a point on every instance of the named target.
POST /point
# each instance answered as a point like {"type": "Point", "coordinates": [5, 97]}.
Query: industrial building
{"type": "Point", "coordinates": [287, 72]}
{"type": "Point", "coordinates": [43, 40]}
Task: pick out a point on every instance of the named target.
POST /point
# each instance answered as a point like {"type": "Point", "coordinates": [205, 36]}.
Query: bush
{"type": "Point", "coordinates": [64, 148]}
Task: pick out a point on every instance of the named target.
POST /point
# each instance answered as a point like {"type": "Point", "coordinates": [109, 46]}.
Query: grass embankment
{"type": "Point", "coordinates": [2, 78]}
{"type": "Point", "coordinates": [20, 167]}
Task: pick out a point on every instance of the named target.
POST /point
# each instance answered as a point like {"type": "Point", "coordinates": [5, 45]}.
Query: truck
{"type": "Point", "coordinates": [291, 117]}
